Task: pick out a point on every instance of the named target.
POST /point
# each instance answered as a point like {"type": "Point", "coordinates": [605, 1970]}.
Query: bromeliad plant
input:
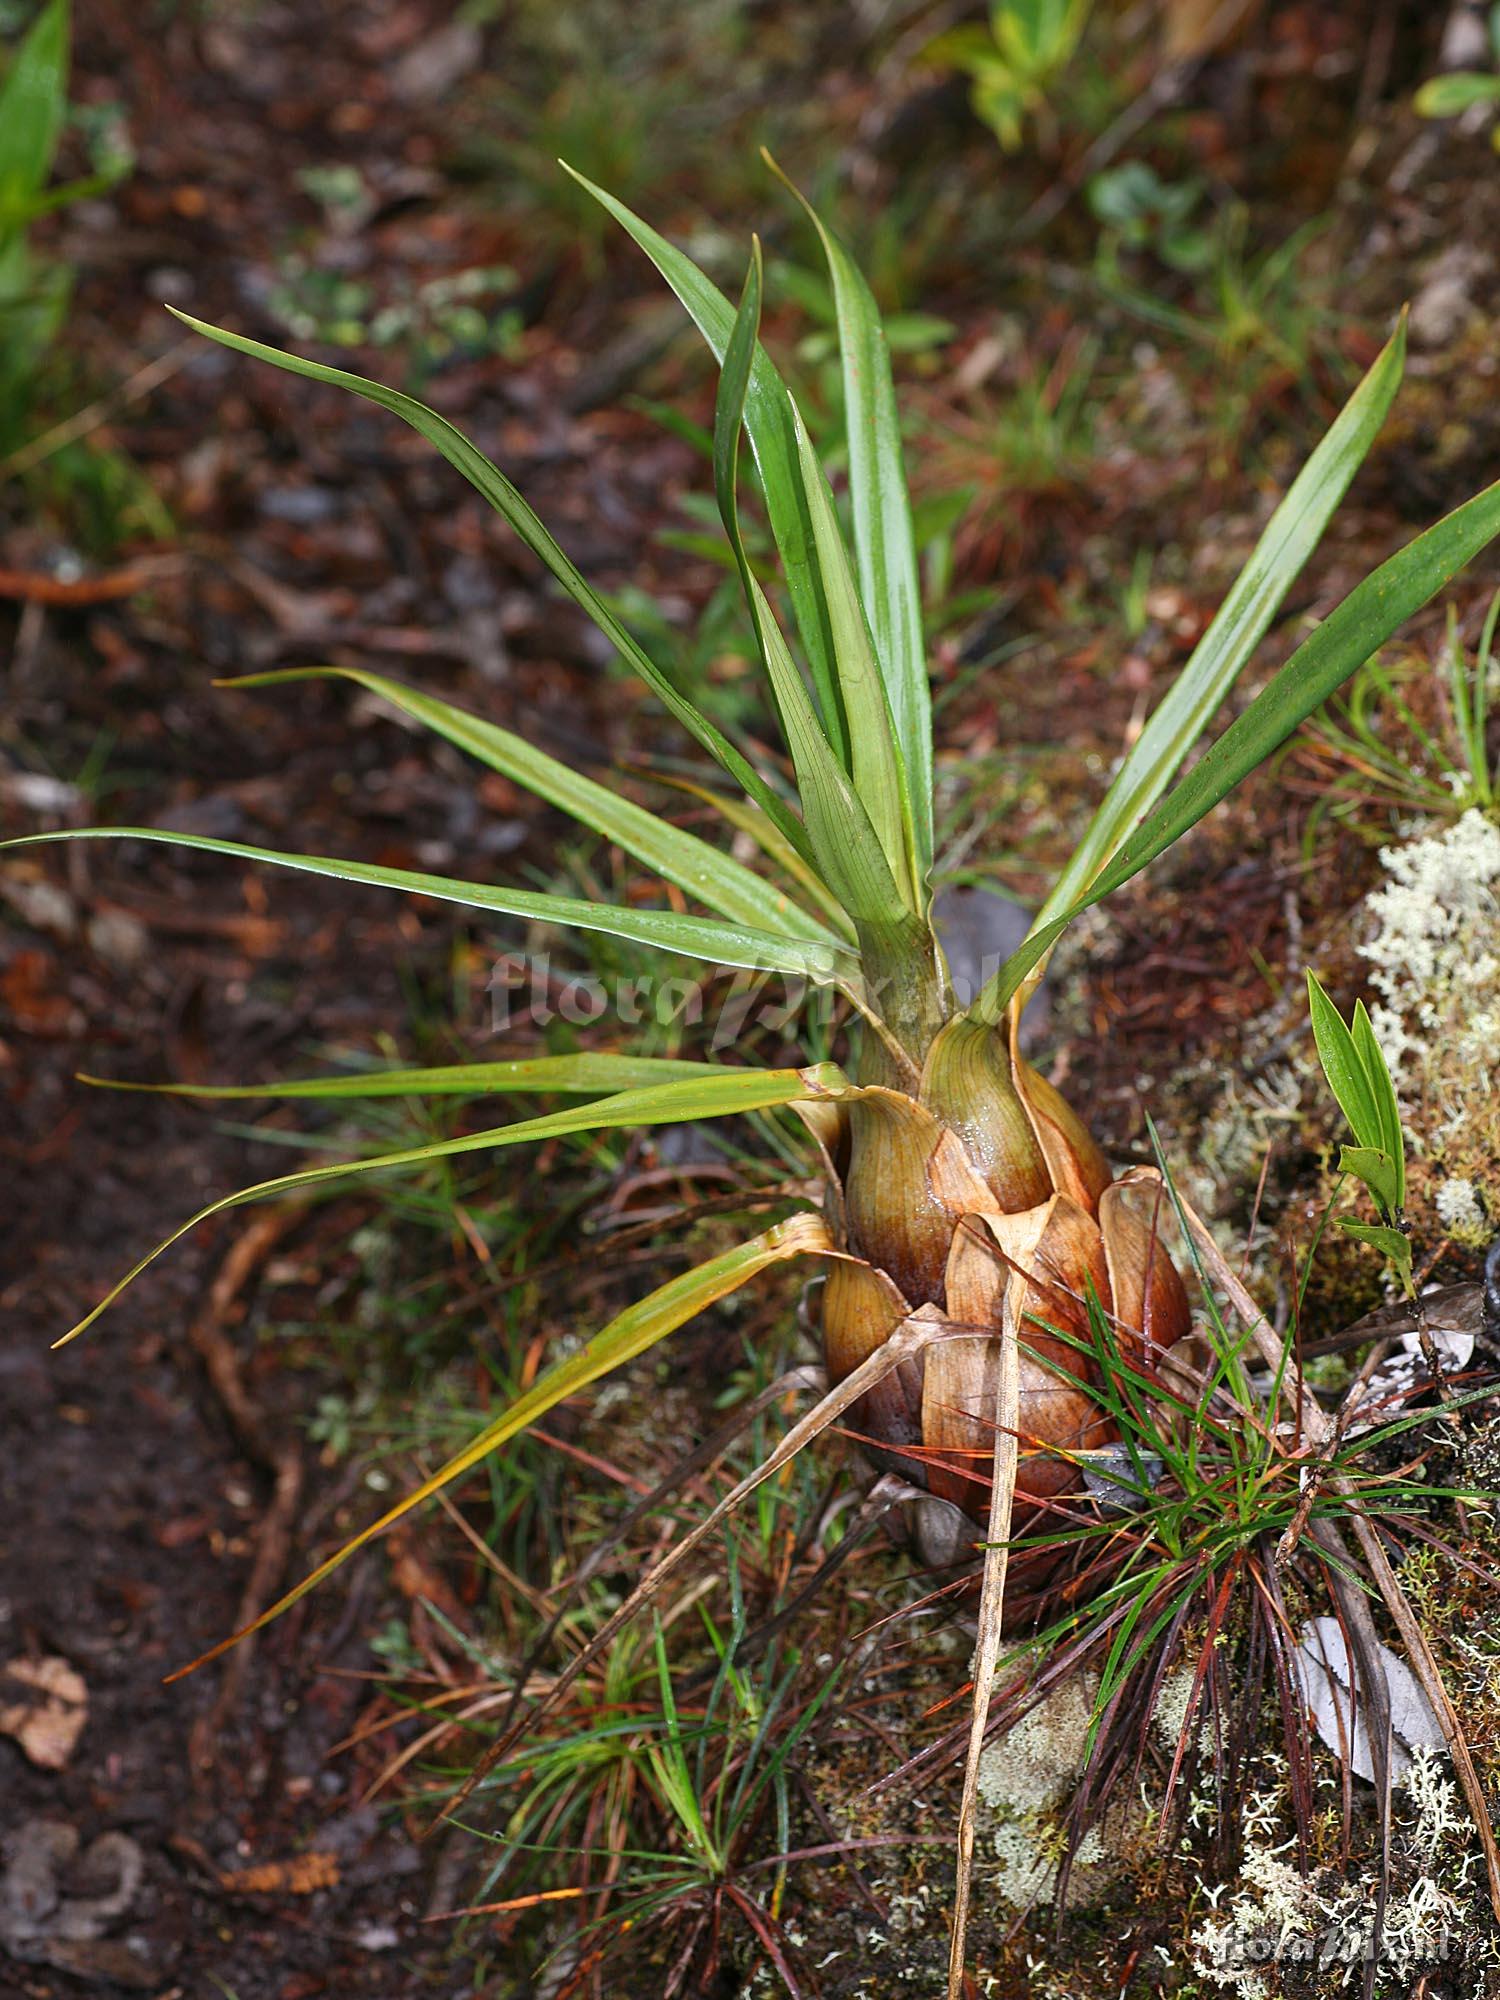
{"type": "Point", "coordinates": [965, 1201]}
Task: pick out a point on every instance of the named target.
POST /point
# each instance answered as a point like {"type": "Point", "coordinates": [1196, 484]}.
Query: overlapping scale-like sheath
{"type": "Point", "coordinates": [984, 1196]}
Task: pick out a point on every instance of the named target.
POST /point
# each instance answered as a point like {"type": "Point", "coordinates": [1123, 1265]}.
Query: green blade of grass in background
{"type": "Point", "coordinates": [33, 105]}
{"type": "Point", "coordinates": [487, 479]}
{"type": "Point", "coordinates": [666, 930]}
{"type": "Point", "coordinates": [1459, 91]}
{"type": "Point", "coordinates": [884, 542]}
{"type": "Point", "coordinates": [724, 1094]}
{"type": "Point", "coordinates": [630, 1333]}
{"type": "Point", "coordinates": [1470, 701]}
{"type": "Point", "coordinates": [773, 439]}
{"type": "Point", "coordinates": [1347, 637]}
{"type": "Point", "coordinates": [715, 878]}
{"type": "Point", "coordinates": [1290, 537]}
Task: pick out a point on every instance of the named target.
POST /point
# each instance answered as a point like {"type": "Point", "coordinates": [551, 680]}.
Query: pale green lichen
{"type": "Point", "coordinates": [1169, 1717]}
{"type": "Point", "coordinates": [1252, 1115]}
{"type": "Point", "coordinates": [1279, 1918]}
{"type": "Point", "coordinates": [1460, 1209]}
{"type": "Point", "coordinates": [1031, 1766]}
{"type": "Point", "coordinates": [1433, 950]}
{"type": "Point", "coordinates": [1433, 945]}
{"type": "Point", "coordinates": [1024, 1779]}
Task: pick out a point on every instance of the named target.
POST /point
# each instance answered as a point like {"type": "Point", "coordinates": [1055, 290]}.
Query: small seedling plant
{"type": "Point", "coordinates": [1461, 90]}
{"type": "Point", "coordinates": [961, 1195]}
{"type": "Point", "coordinates": [1360, 1078]}
{"type": "Point", "coordinates": [1014, 61]}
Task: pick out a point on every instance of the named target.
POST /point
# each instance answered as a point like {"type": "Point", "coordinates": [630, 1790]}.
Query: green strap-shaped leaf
{"type": "Point", "coordinates": [884, 544]}
{"type": "Point", "coordinates": [1323, 662]}
{"type": "Point", "coordinates": [719, 1096]}
{"type": "Point", "coordinates": [695, 937]}
{"type": "Point", "coordinates": [845, 842]}
{"type": "Point", "coordinates": [630, 1333]}
{"type": "Point", "coordinates": [875, 756]}
{"type": "Point", "coordinates": [589, 1074]}
{"type": "Point", "coordinates": [1379, 1172]}
{"type": "Point", "coordinates": [1391, 1241]}
{"type": "Point", "coordinates": [487, 479]}
{"type": "Point", "coordinates": [713, 877]}
{"type": "Point", "coordinates": [768, 419]}
{"type": "Point", "coordinates": [1290, 536]}
{"type": "Point", "coordinates": [1459, 91]}
{"type": "Point", "coordinates": [793, 705]}
{"type": "Point", "coordinates": [750, 820]}
{"type": "Point", "coordinates": [33, 104]}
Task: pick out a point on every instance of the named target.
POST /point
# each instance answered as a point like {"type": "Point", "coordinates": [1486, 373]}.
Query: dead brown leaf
{"type": "Point", "coordinates": [43, 1705]}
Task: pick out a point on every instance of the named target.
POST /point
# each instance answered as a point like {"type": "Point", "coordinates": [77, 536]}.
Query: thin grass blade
{"type": "Point", "coordinates": [714, 878]}
{"type": "Point", "coordinates": [844, 840]}
{"type": "Point", "coordinates": [880, 776]}
{"type": "Point", "coordinates": [630, 1333]}
{"type": "Point", "coordinates": [1290, 537]}
{"type": "Point", "coordinates": [1347, 637]}
{"type": "Point", "coordinates": [768, 419]}
{"type": "Point", "coordinates": [587, 1074]}
{"type": "Point", "coordinates": [750, 820]}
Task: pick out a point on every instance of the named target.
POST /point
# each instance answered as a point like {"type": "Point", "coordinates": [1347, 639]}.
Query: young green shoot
{"type": "Point", "coordinates": [1360, 1079]}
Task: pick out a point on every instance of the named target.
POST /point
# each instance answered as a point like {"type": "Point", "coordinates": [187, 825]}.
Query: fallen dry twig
{"type": "Point", "coordinates": [277, 1455]}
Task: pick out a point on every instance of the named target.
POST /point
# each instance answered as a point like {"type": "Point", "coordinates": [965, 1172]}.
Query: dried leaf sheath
{"type": "Point", "coordinates": [926, 1220]}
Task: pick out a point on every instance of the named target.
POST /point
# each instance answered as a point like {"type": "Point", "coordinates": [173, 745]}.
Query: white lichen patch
{"type": "Point", "coordinates": [1169, 1716]}
{"type": "Point", "coordinates": [1032, 1765]}
{"type": "Point", "coordinates": [1433, 945]}
{"type": "Point", "coordinates": [1460, 1209]}
{"type": "Point", "coordinates": [1253, 1115]}
{"type": "Point", "coordinates": [1278, 1917]}
{"type": "Point", "coordinates": [1024, 1780]}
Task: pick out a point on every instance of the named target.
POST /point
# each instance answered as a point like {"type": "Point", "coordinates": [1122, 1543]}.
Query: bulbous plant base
{"type": "Point", "coordinates": [920, 1207]}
